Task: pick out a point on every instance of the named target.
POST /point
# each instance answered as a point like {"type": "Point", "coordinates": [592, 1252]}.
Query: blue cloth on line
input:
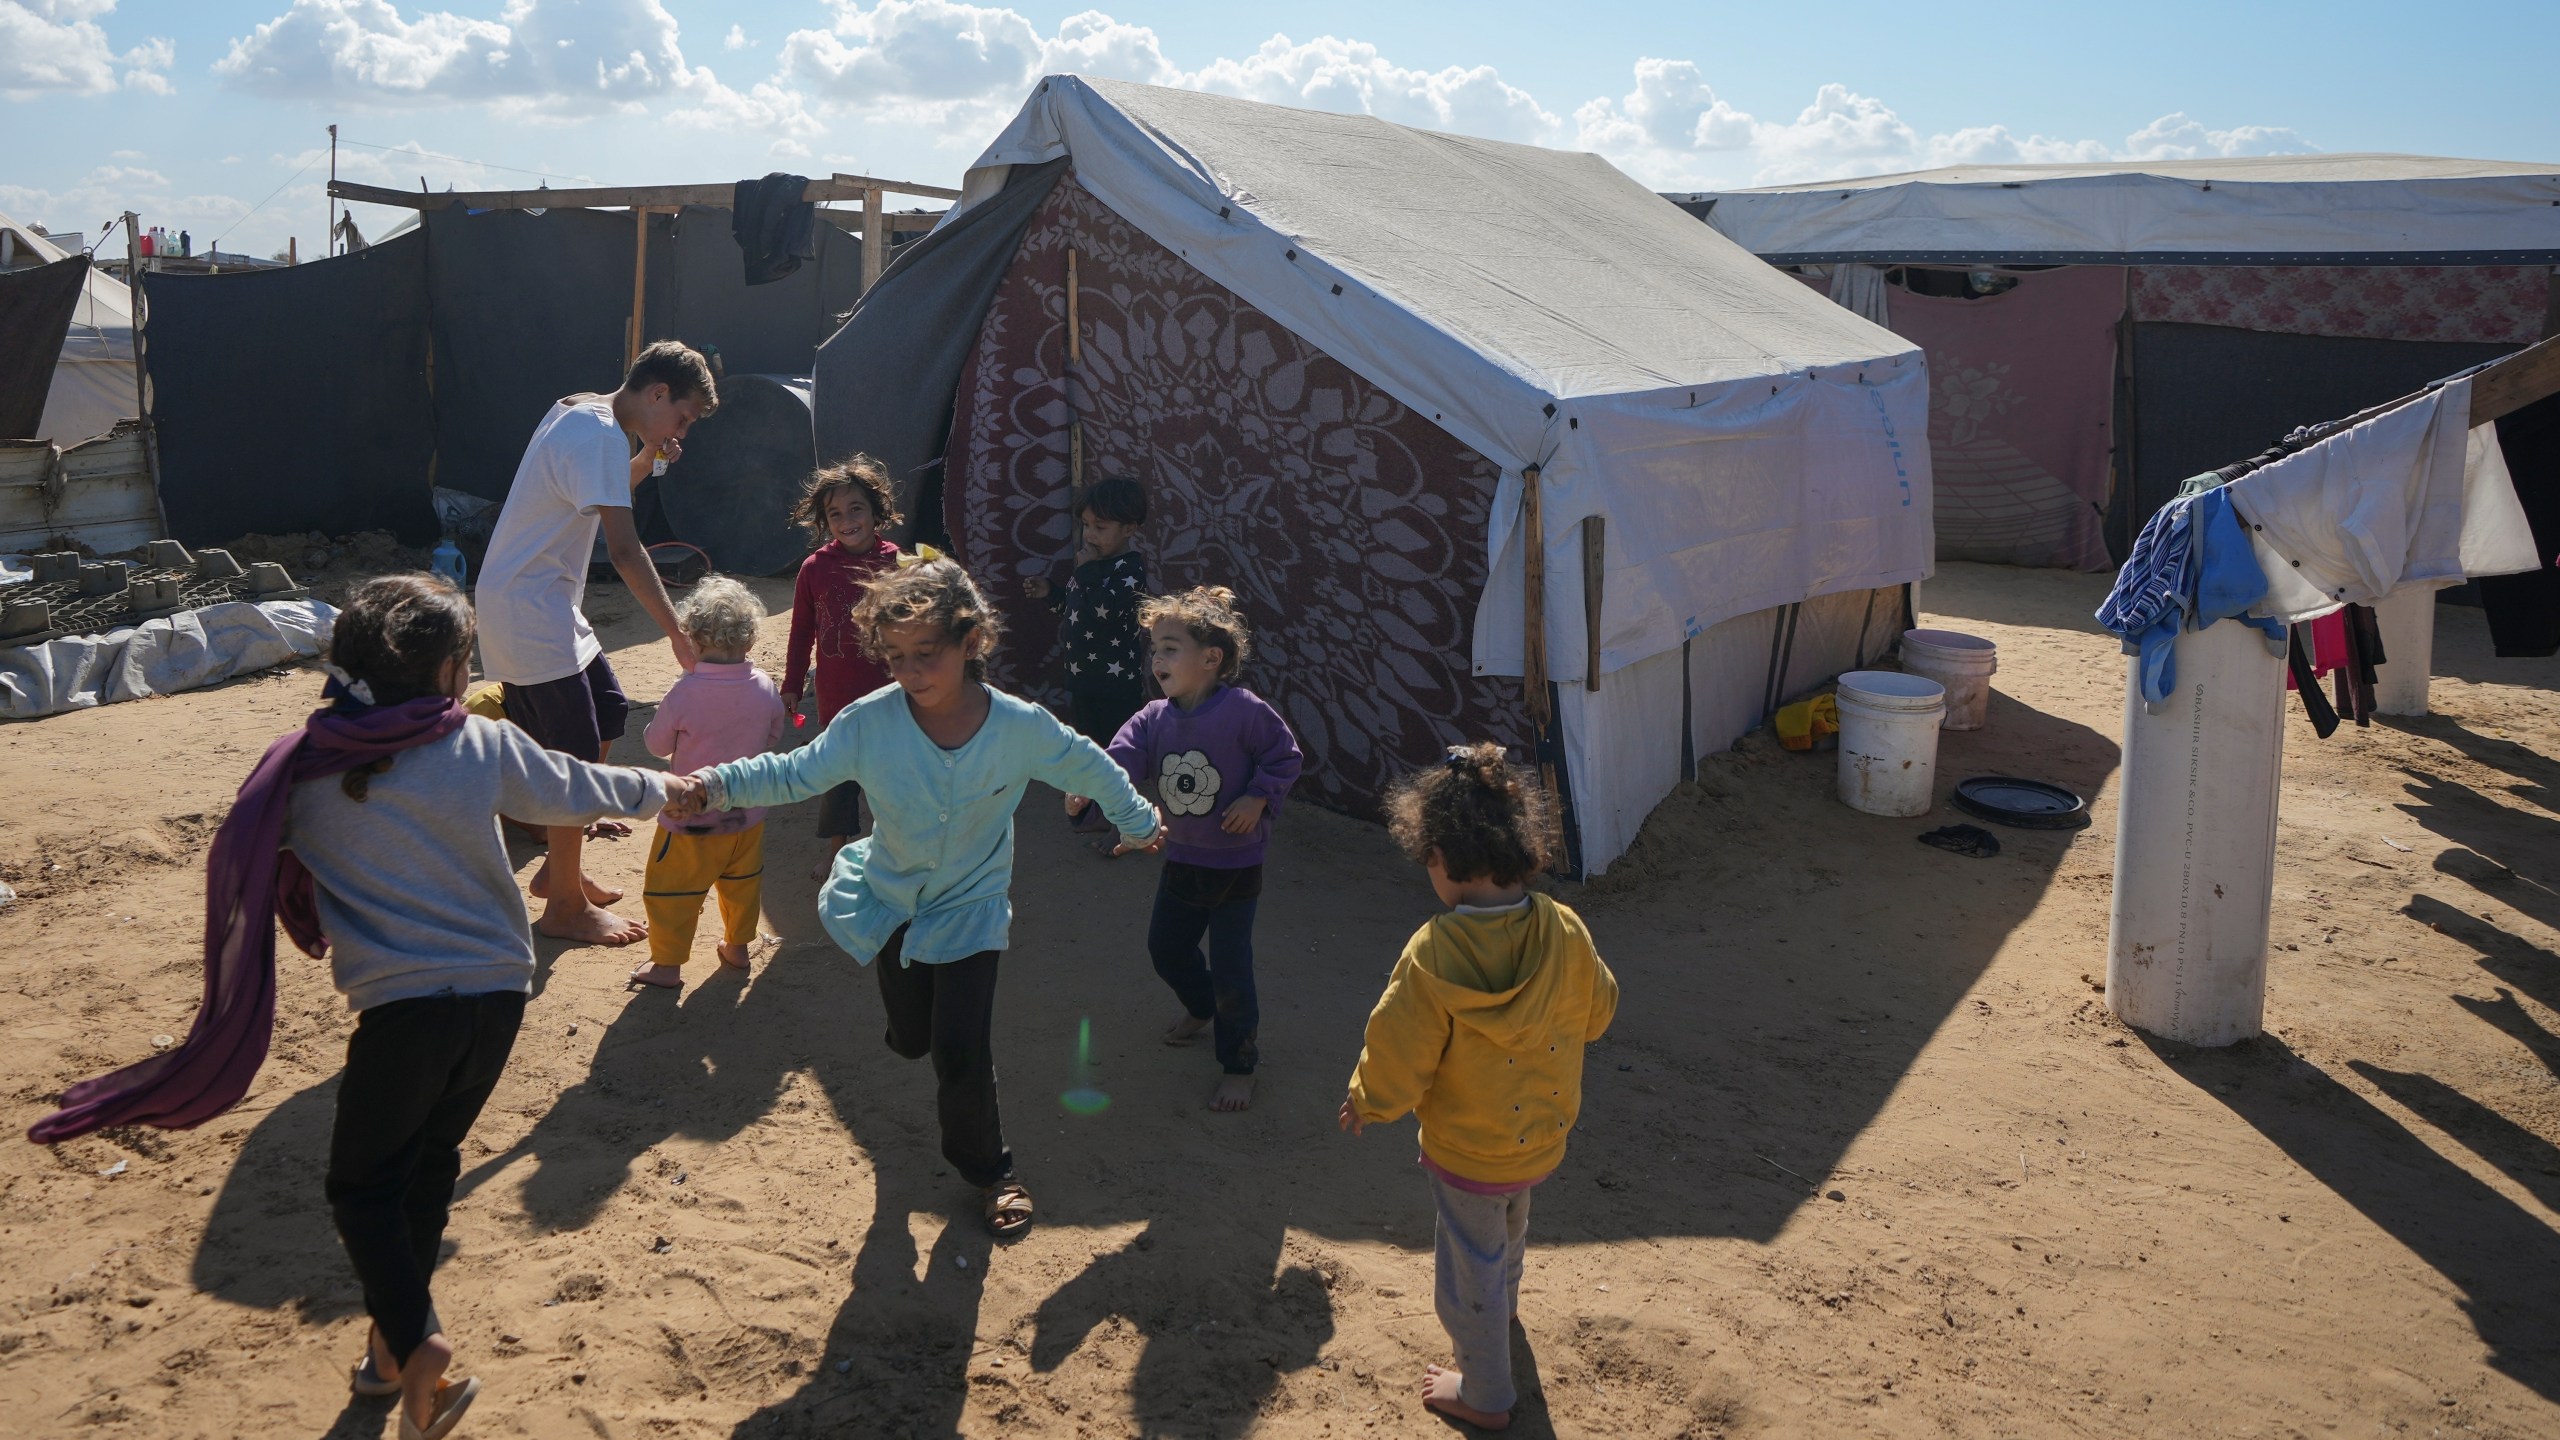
{"type": "Point", "coordinates": [2191, 566]}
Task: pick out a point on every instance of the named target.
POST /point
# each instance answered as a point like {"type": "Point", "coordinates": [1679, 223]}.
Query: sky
{"type": "Point", "coordinates": [212, 115]}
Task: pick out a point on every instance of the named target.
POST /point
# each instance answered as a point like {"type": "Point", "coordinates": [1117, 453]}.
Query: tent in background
{"type": "Point", "coordinates": [1380, 381]}
{"type": "Point", "coordinates": [2227, 300]}
{"type": "Point", "coordinates": [93, 383]}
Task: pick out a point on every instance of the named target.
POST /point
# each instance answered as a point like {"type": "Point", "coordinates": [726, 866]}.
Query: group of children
{"type": "Point", "coordinates": [1489, 1004]}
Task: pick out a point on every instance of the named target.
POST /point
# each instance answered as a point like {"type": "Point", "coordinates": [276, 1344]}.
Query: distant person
{"type": "Point", "coordinates": [1219, 760]}
{"type": "Point", "coordinates": [1106, 646]}
{"type": "Point", "coordinates": [926, 898]}
{"type": "Point", "coordinates": [1480, 1035]}
{"type": "Point", "coordinates": [844, 508]}
{"type": "Point", "coordinates": [724, 710]}
{"type": "Point", "coordinates": [576, 478]}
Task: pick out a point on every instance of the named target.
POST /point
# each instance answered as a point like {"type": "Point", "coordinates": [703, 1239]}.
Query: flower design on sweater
{"type": "Point", "coordinates": [1189, 783]}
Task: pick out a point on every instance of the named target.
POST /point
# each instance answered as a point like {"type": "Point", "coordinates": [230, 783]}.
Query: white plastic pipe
{"type": "Point", "coordinates": [2408, 621]}
{"type": "Point", "coordinates": [2196, 842]}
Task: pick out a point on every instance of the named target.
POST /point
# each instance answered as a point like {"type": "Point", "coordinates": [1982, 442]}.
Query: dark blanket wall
{"type": "Point", "coordinates": [1351, 528]}
{"type": "Point", "coordinates": [36, 305]}
{"type": "Point", "coordinates": [294, 399]}
{"type": "Point", "coordinates": [2208, 395]}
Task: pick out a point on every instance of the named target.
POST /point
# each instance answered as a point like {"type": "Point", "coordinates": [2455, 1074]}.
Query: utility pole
{"type": "Point", "coordinates": [330, 245]}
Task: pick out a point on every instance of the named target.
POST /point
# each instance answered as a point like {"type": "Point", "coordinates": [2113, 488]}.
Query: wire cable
{"type": "Point", "coordinates": [261, 205]}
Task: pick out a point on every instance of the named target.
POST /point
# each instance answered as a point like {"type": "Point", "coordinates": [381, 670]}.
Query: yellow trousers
{"type": "Point", "coordinates": [683, 869]}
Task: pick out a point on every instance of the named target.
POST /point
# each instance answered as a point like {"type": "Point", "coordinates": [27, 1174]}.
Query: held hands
{"type": "Point", "coordinates": [1150, 846]}
{"type": "Point", "coordinates": [1243, 815]}
{"type": "Point", "coordinates": [1349, 1118]}
{"type": "Point", "coordinates": [686, 655]}
{"type": "Point", "coordinates": [685, 796]}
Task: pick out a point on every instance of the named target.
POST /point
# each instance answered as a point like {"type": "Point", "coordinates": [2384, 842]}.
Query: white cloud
{"type": "Point", "coordinates": [1353, 77]}
{"type": "Point", "coordinates": [52, 47]}
{"type": "Point", "coordinates": [540, 59]}
{"type": "Point", "coordinates": [2175, 137]}
{"type": "Point", "coordinates": [90, 203]}
{"type": "Point", "coordinates": [737, 39]}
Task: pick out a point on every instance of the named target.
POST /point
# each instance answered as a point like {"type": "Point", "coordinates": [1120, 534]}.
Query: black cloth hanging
{"type": "Point", "coordinates": [776, 229]}
{"type": "Point", "coordinates": [2524, 610]}
{"type": "Point", "coordinates": [2356, 677]}
{"type": "Point", "coordinates": [2306, 683]}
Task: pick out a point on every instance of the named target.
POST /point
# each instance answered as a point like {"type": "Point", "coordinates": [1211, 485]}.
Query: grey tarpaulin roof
{"type": "Point", "coordinates": [2288, 209]}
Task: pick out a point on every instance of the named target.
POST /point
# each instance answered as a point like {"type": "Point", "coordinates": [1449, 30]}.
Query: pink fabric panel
{"type": "Point", "coordinates": [2484, 304]}
{"type": "Point", "coordinates": [1351, 528]}
{"type": "Point", "coordinates": [2021, 414]}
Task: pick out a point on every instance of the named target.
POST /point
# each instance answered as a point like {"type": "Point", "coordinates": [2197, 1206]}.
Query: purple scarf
{"type": "Point", "coordinates": [250, 882]}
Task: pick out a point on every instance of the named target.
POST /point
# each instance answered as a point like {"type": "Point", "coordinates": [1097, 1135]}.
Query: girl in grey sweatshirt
{"type": "Point", "coordinates": [426, 933]}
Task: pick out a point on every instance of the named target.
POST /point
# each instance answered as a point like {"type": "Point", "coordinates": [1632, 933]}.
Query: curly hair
{"type": "Point", "coordinates": [396, 638]}
{"type": "Point", "coordinates": [862, 475]}
{"type": "Point", "coordinates": [1487, 818]}
{"type": "Point", "coordinates": [1209, 613]}
{"type": "Point", "coordinates": [931, 592]}
{"type": "Point", "coordinates": [720, 616]}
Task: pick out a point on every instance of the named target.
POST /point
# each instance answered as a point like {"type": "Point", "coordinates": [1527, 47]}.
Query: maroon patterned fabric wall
{"type": "Point", "coordinates": [1351, 528]}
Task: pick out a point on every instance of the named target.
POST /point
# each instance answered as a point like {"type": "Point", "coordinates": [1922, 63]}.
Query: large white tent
{"type": "Point", "coordinates": [2266, 210]}
{"type": "Point", "coordinates": [1749, 447]}
{"type": "Point", "coordinates": [93, 386]}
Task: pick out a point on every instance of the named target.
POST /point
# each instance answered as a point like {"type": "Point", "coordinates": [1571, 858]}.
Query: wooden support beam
{"type": "Point", "coordinates": [639, 288]}
{"type": "Point", "coordinates": [615, 197]}
{"type": "Point", "coordinates": [1533, 603]}
{"type": "Point", "coordinates": [1595, 555]}
{"type": "Point", "coordinates": [2519, 380]}
{"type": "Point", "coordinates": [875, 237]}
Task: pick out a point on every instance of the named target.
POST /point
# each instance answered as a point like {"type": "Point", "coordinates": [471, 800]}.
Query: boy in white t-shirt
{"type": "Point", "coordinates": [576, 478]}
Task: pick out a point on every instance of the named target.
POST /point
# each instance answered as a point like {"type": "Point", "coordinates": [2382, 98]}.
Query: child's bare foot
{"type": "Point", "coordinates": [1440, 1392]}
{"type": "Point", "coordinates": [734, 956]}
{"type": "Point", "coordinates": [427, 1403]}
{"type": "Point", "coordinates": [539, 887]}
{"type": "Point", "coordinates": [665, 977]}
{"type": "Point", "coordinates": [591, 925]}
{"type": "Point", "coordinates": [1185, 1030]}
{"type": "Point", "coordinates": [1234, 1092]}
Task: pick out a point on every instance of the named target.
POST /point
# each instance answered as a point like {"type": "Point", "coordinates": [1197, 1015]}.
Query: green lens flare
{"type": "Point", "coordinates": [1084, 1099]}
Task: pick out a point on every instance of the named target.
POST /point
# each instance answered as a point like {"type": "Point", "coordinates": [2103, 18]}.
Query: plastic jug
{"type": "Point", "coordinates": [448, 563]}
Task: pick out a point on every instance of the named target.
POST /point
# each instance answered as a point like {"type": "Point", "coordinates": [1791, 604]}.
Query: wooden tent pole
{"type": "Point", "coordinates": [1075, 363]}
{"type": "Point", "coordinates": [1533, 603]}
{"type": "Point", "coordinates": [1595, 554]}
{"type": "Point", "coordinates": [639, 286]}
{"type": "Point", "coordinates": [875, 236]}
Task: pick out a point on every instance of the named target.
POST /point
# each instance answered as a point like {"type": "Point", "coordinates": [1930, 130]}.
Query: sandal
{"type": "Point", "coordinates": [1008, 1209]}
{"type": "Point", "coordinates": [366, 1379]}
{"type": "Point", "coordinates": [451, 1401]}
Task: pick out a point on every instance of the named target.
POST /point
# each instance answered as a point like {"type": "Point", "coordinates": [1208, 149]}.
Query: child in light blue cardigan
{"type": "Point", "coordinates": [945, 759]}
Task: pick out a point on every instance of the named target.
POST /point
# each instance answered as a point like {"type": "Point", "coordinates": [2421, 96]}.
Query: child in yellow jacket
{"type": "Point", "coordinates": [1480, 1035]}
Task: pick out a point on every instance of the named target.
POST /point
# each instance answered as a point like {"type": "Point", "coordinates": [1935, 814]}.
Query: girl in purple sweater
{"type": "Point", "coordinates": [1219, 759]}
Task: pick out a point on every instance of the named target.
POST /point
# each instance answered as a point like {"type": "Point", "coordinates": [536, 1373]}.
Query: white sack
{"type": "Point", "coordinates": [160, 657]}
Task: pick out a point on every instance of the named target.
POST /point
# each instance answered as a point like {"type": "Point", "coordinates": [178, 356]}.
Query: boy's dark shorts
{"type": "Point", "coordinates": [578, 715]}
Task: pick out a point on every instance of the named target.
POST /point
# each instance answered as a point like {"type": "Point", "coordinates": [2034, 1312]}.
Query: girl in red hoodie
{"type": "Point", "coordinates": [844, 508]}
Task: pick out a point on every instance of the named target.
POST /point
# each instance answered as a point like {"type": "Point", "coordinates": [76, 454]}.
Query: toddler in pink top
{"type": "Point", "coordinates": [723, 710]}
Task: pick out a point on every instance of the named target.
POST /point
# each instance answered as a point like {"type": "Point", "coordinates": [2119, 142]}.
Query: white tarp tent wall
{"type": "Point", "coordinates": [93, 384]}
{"type": "Point", "coordinates": [2257, 295]}
{"type": "Point", "coordinates": [1750, 449]}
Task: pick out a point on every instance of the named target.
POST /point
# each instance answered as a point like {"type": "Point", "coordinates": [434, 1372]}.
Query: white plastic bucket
{"type": "Point", "coordinates": [1889, 741]}
{"type": "Point", "coordinates": [1962, 663]}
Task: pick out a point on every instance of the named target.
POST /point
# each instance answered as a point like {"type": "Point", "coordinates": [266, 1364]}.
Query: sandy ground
{"type": "Point", "coordinates": [1865, 1153]}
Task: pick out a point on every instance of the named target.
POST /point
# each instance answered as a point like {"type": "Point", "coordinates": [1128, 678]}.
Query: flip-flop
{"type": "Point", "coordinates": [451, 1401]}
{"type": "Point", "coordinates": [1009, 1211]}
{"type": "Point", "coordinates": [367, 1381]}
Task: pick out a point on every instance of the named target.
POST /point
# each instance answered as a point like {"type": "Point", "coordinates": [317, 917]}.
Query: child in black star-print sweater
{"type": "Point", "coordinates": [1105, 646]}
